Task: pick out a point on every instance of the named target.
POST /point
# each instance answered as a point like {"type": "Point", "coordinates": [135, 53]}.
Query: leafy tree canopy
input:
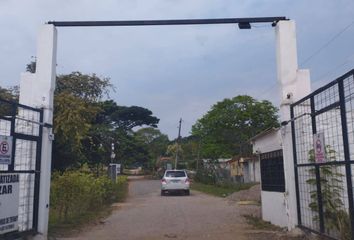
{"type": "Point", "coordinates": [154, 140]}
{"type": "Point", "coordinates": [9, 93]}
{"type": "Point", "coordinates": [126, 117]}
{"type": "Point", "coordinates": [87, 87]}
{"type": "Point", "coordinates": [225, 129]}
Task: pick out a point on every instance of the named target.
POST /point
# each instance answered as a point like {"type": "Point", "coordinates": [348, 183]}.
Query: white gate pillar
{"type": "Point", "coordinates": [37, 90]}
{"type": "Point", "coordinates": [294, 85]}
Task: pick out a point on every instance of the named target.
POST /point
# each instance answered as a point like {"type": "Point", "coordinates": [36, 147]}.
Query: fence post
{"type": "Point", "coordinates": [294, 84]}
{"type": "Point", "coordinates": [37, 90]}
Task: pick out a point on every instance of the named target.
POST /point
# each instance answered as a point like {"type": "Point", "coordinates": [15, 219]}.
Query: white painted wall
{"type": "Point", "coordinates": [267, 143]}
{"type": "Point", "coordinates": [294, 85]}
{"type": "Point", "coordinates": [253, 168]}
{"type": "Point", "coordinates": [274, 208]}
{"type": "Point", "coordinates": [37, 90]}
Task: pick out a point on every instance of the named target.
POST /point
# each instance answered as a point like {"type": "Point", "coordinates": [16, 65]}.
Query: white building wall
{"type": "Point", "coordinates": [274, 208]}
{"type": "Point", "coordinates": [257, 170]}
{"type": "Point", "coordinates": [254, 170]}
{"type": "Point", "coordinates": [267, 143]}
{"type": "Point", "coordinates": [274, 204]}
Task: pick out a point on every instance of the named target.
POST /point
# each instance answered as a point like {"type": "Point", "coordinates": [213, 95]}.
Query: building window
{"type": "Point", "coordinates": [272, 171]}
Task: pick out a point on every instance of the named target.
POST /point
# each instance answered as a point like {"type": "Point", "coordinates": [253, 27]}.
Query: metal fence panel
{"type": "Point", "coordinates": [324, 189]}
{"type": "Point", "coordinates": [24, 124]}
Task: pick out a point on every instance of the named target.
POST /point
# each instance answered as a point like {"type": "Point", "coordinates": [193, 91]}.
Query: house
{"type": "Point", "coordinates": [251, 169]}
{"type": "Point", "coordinates": [245, 169]}
{"type": "Point", "coordinates": [267, 146]}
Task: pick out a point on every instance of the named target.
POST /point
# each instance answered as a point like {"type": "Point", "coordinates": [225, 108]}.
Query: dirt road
{"type": "Point", "coordinates": [148, 216]}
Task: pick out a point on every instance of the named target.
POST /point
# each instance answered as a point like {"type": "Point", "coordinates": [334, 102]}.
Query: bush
{"type": "Point", "coordinates": [205, 176]}
{"type": "Point", "coordinates": [74, 193]}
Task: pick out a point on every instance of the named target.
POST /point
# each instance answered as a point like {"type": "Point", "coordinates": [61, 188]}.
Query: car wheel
{"type": "Point", "coordinates": [187, 192]}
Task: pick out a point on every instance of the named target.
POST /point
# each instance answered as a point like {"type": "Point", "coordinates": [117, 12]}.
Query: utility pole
{"type": "Point", "coordinates": [178, 138]}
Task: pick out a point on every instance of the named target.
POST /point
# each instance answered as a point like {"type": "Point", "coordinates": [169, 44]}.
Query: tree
{"type": "Point", "coordinates": [225, 129]}
{"type": "Point", "coordinates": [126, 118]}
{"type": "Point", "coordinates": [90, 88]}
{"type": "Point", "coordinates": [72, 122]}
{"type": "Point", "coordinates": [31, 67]}
{"type": "Point", "coordinates": [10, 94]}
{"type": "Point", "coordinates": [155, 141]}
{"type": "Point", "coordinates": [191, 151]}
{"type": "Point", "coordinates": [75, 110]}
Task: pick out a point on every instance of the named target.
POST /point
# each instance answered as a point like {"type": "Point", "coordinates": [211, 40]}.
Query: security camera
{"type": "Point", "coordinates": [289, 95]}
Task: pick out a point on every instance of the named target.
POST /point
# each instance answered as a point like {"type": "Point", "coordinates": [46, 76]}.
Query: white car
{"type": "Point", "coordinates": [175, 180]}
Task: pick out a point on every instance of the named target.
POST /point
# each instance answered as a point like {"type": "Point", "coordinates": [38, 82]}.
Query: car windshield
{"type": "Point", "coordinates": [175, 174]}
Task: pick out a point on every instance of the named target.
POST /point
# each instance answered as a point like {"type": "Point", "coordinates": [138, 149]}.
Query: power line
{"type": "Point", "coordinates": [327, 43]}
{"type": "Point", "coordinates": [316, 53]}
{"type": "Point", "coordinates": [348, 59]}
{"type": "Point", "coordinates": [267, 90]}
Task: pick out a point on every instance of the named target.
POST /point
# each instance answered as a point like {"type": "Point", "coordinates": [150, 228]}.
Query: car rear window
{"type": "Point", "coordinates": [175, 174]}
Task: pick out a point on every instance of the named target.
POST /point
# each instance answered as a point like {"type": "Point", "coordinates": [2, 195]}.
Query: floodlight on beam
{"type": "Point", "coordinates": [244, 25]}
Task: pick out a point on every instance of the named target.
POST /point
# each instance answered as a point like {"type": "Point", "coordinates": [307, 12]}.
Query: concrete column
{"type": "Point", "coordinates": [294, 84]}
{"type": "Point", "coordinates": [37, 90]}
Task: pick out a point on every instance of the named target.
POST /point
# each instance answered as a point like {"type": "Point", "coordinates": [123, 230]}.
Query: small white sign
{"type": "Point", "coordinates": [319, 147]}
{"type": "Point", "coordinates": [9, 202]}
{"type": "Point", "coordinates": [5, 149]}
{"type": "Point", "coordinates": [169, 166]}
{"type": "Point", "coordinates": [118, 168]}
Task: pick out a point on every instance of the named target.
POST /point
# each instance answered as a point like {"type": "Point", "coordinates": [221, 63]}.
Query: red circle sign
{"type": "Point", "coordinates": [4, 147]}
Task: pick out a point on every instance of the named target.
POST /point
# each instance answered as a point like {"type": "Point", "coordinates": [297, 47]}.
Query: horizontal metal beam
{"type": "Point", "coordinates": [166, 22]}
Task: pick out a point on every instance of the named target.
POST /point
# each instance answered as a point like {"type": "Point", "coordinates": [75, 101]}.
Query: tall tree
{"type": "Point", "coordinates": [155, 141]}
{"type": "Point", "coordinates": [126, 118]}
{"type": "Point", "coordinates": [10, 94]}
{"type": "Point", "coordinates": [75, 110]}
{"type": "Point", "coordinates": [90, 88]}
{"type": "Point", "coordinates": [225, 129]}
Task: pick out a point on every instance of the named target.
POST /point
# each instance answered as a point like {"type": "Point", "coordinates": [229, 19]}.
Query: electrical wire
{"type": "Point", "coordinates": [327, 43]}
{"type": "Point", "coordinates": [267, 90]}
{"type": "Point", "coordinates": [348, 60]}
{"type": "Point", "coordinates": [316, 53]}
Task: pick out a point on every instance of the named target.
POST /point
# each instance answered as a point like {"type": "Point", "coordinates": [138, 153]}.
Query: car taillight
{"type": "Point", "coordinates": [187, 180]}
{"type": "Point", "coordinates": [163, 180]}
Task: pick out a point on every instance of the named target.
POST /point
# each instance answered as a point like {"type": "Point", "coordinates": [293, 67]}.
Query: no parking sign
{"type": "Point", "coordinates": [319, 147]}
{"type": "Point", "coordinates": [5, 149]}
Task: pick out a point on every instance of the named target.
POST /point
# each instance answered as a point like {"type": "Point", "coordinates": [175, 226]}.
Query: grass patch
{"type": "Point", "coordinates": [258, 223]}
{"type": "Point", "coordinates": [220, 190]}
{"type": "Point", "coordinates": [74, 225]}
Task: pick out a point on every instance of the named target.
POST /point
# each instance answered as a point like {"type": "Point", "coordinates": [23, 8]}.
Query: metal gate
{"type": "Point", "coordinates": [23, 123]}
{"type": "Point", "coordinates": [324, 188]}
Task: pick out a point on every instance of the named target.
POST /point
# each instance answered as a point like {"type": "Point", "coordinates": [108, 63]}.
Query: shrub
{"type": "Point", "coordinates": [205, 176]}
{"type": "Point", "coordinates": [74, 193]}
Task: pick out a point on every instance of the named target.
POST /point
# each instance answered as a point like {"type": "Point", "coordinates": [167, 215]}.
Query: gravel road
{"type": "Point", "coordinates": [148, 216]}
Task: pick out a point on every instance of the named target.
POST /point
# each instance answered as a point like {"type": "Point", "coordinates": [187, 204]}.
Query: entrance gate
{"type": "Point", "coordinates": [324, 186]}
{"type": "Point", "coordinates": [23, 123]}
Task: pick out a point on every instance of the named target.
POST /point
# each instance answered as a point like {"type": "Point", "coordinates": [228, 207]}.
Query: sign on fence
{"type": "Point", "coordinates": [5, 149]}
{"type": "Point", "coordinates": [9, 201]}
{"type": "Point", "coordinates": [319, 147]}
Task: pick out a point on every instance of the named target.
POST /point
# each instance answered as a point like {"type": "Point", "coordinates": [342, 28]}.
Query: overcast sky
{"type": "Point", "coordinates": [179, 71]}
